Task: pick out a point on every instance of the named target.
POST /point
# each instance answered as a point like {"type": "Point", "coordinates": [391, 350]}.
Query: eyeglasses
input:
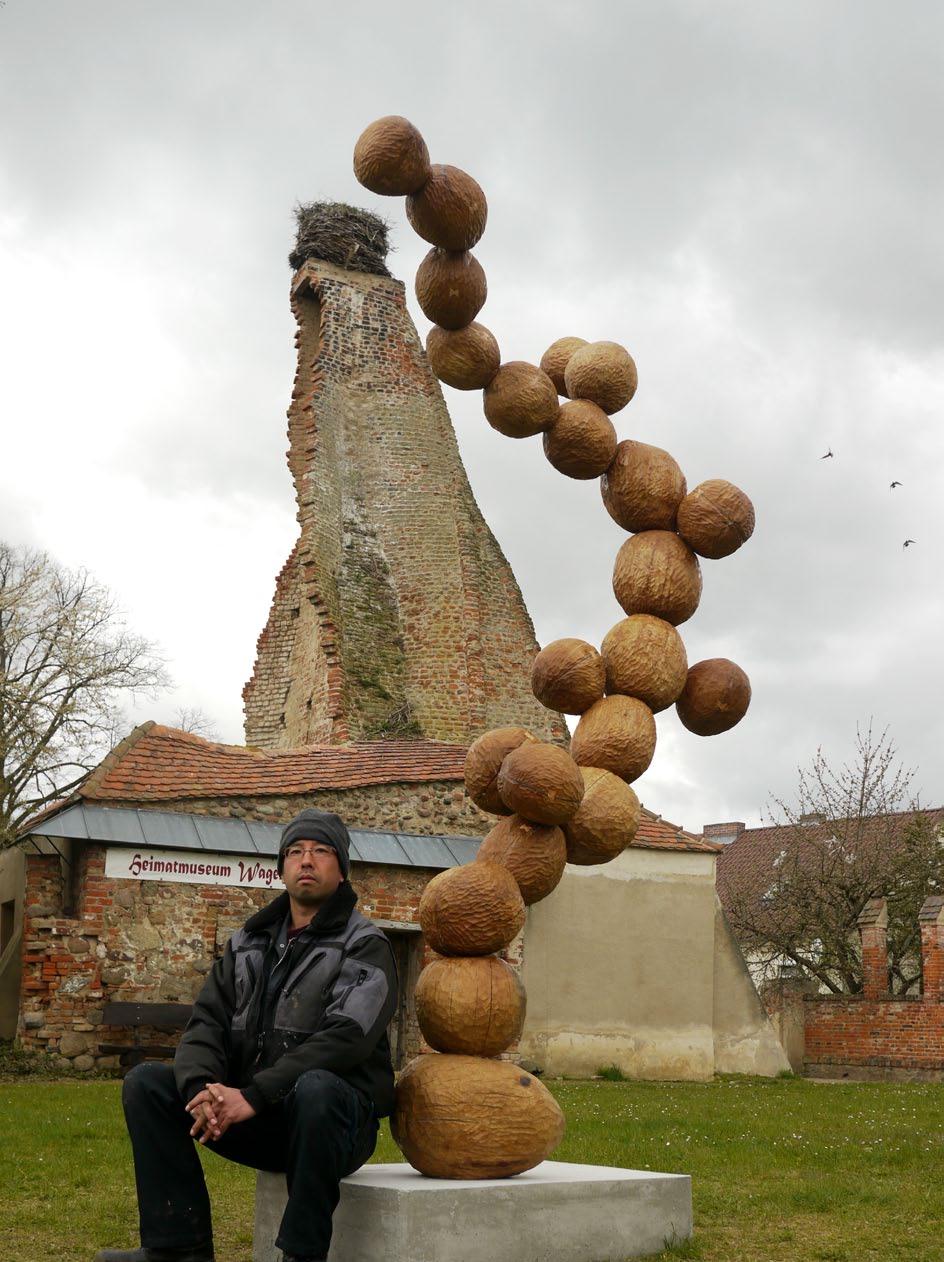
{"type": "Point", "coordinates": [296, 851]}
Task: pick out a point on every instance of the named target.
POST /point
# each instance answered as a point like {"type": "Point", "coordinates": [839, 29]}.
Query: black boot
{"type": "Point", "coordinates": [200, 1253]}
{"type": "Point", "coordinates": [292, 1257]}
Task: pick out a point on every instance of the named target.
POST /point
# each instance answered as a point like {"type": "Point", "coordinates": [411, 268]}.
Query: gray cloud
{"type": "Point", "coordinates": [747, 196]}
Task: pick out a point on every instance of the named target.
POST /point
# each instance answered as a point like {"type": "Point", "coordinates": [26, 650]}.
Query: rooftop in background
{"type": "Point", "coordinates": [346, 235]}
{"type": "Point", "coordinates": [656, 833]}
{"type": "Point", "coordinates": [158, 763]}
{"type": "Point", "coordinates": [161, 764]}
{"type": "Point", "coordinates": [723, 833]}
{"type": "Point", "coordinates": [745, 864]}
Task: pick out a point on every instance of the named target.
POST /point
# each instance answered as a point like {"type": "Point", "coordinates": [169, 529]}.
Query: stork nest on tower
{"type": "Point", "coordinates": [345, 235]}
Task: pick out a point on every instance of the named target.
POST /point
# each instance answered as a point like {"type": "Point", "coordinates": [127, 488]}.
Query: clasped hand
{"type": "Point", "coordinates": [215, 1109]}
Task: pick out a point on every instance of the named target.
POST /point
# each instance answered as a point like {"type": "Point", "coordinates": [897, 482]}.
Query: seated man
{"type": "Point", "coordinates": [285, 1064]}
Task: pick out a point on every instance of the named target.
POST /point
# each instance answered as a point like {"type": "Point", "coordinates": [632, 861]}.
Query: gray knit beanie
{"type": "Point", "coordinates": [312, 825]}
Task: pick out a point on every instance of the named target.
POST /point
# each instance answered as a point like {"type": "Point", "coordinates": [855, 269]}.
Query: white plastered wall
{"type": "Point", "coordinates": [623, 965]}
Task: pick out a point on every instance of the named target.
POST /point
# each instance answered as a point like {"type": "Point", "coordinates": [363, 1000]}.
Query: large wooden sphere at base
{"type": "Point", "coordinates": [656, 573]}
{"type": "Point", "coordinates": [520, 400]}
{"type": "Point", "coordinates": [618, 734]}
{"type": "Point", "coordinates": [451, 288]}
{"type": "Point", "coordinates": [466, 359]}
{"type": "Point", "coordinates": [474, 909]}
{"type": "Point", "coordinates": [715, 697]}
{"type": "Point", "coordinates": [568, 676]}
{"type": "Point", "coordinates": [541, 782]}
{"type": "Point", "coordinates": [473, 1005]}
{"type": "Point", "coordinates": [450, 209]}
{"type": "Point", "coordinates": [643, 487]}
{"type": "Point", "coordinates": [604, 373]}
{"type": "Point", "coordinates": [644, 657]}
{"type": "Point", "coordinates": [606, 820]}
{"type": "Point", "coordinates": [391, 157]}
{"type": "Point", "coordinates": [465, 1117]}
{"type": "Point", "coordinates": [483, 763]}
{"type": "Point", "coordinates": [716, 518]}
{"type": "Point", "coordinates": [534, 854]}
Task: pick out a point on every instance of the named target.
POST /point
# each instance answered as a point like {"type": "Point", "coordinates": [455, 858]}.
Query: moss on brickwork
{"type": "Point", "coordinates": [412, 622]}
{"type": "Point", "coordinates": [371, 643]}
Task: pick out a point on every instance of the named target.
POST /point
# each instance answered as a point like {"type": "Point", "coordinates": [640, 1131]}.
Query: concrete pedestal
{"type": "Point", "coordinates": [557, 1212]}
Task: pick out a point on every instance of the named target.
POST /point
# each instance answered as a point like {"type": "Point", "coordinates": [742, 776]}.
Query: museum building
{"type": "Point", "coordinates": [397, 635]}
{"type": "Point", "coordinates": [120, 898]}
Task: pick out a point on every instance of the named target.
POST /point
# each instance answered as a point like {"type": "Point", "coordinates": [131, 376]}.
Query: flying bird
{"type": "Point", "coordinates": [907, 541]}
{"type": "Point", "coordinates": [893, 485]}
{"type": "Point", "coordinates": [828, 454]}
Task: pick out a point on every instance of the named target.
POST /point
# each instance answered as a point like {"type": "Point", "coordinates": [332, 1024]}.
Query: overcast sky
{"type": "Point", "coordinates": [747, 196]}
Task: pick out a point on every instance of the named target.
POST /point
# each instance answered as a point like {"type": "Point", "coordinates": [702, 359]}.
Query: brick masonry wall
{"type": "Point", "coordinates": [905, 1032]}
{"type": "Point", "coordinates": [932, 956]}
{"type": "Point", "coordinates": [876, 1032]}
{"type": "Point", "coordinates": [427, 808]}
{"type": "Point", "coordinates": [875, 979]}
{"type": "Point", "coordinates": [397, 612]}
{"type": "Point", "coordinates": [153, 941]}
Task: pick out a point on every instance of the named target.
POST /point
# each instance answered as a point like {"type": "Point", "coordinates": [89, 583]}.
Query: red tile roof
{"type": "Point", "coordinates": [161, 764]}
{"type": "Point", "coordinates": [747, 865]}
{"type": "Point", "coordinates": [656, 833]}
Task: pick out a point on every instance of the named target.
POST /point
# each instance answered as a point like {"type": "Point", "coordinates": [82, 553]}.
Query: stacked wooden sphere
{"type": "Point", "coordinates": [463, 1113]}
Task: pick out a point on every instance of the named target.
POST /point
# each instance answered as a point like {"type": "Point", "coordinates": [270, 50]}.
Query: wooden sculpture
{"type": "Point", "coordinates": [460, 1112]}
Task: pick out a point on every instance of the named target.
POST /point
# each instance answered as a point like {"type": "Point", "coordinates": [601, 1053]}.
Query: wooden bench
{"type": "Point", "coordinates": [162, 1016]}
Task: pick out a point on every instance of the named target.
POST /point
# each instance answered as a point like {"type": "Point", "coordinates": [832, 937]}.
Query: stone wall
{"type": "Point", "coordinates": [397, 613]}
{"type": "Point", "coordinates": [150, 942]}
{"type": "Point", "coordinates": [428, 808]}
{"type": "Point", "coordinates": [153, 941]}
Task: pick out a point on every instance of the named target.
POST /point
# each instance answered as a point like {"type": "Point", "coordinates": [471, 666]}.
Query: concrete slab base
{"type": "Point", "coordinates": [557, 1212]}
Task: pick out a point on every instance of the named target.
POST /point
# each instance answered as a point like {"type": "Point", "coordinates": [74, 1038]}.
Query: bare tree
{"type": "Point", "coordinates": [855, 834]}
{"type": "Point", "coordinates": [196, 721]}
{"type": "Point", "coordinates": [67, 661]}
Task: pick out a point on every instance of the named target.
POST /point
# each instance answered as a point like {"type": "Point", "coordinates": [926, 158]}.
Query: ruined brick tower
{"type": "Point", "coordinates": [396, 614]}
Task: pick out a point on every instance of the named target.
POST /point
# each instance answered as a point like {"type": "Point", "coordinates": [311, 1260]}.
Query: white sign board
{"type": "Point", "coordinates": [199, 867]}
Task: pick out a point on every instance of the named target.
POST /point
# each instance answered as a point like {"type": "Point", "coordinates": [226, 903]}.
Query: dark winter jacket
{"type": "Point", "coordinates": [265, 1017]}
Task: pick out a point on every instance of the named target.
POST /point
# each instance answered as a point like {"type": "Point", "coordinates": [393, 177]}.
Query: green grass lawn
{"type": "Point", "coordinates": [782, 1169]}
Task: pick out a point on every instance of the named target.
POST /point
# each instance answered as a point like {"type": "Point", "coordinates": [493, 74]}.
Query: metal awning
{"type": "Point", "coordinates": [173, 830]}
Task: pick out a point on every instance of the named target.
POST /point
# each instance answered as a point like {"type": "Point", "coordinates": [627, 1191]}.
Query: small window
{"type": "Point", "coordinates": [7, 916]}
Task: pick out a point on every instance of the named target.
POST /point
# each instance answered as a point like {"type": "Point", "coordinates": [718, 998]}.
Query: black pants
{"type": "Point", "coordinates": [319, 1133]}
